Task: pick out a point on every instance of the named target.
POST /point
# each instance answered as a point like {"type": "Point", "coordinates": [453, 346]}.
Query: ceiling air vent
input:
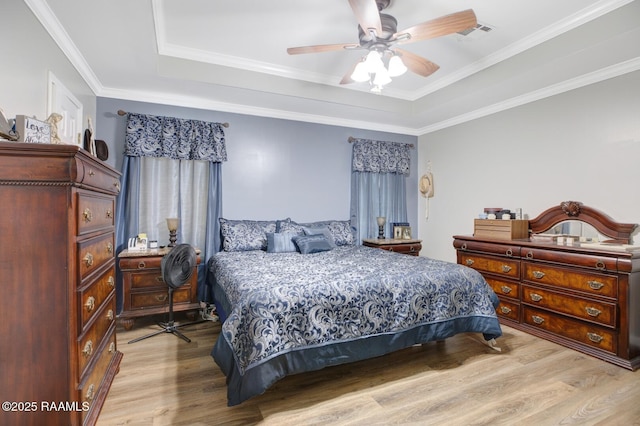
{"type": "Point", "coordinates": [474, 33]}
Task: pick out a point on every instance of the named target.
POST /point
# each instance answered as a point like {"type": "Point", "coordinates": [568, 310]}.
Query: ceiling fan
{"type": "Point", "coordinates": [378, 34]}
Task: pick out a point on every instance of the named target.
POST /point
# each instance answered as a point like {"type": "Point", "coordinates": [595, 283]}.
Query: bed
{"type": "Point", "coordinates": [293, 310]}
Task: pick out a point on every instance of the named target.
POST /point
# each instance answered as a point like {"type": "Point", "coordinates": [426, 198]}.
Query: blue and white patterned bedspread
{"type": "Point", "coordinates": [283, 302]}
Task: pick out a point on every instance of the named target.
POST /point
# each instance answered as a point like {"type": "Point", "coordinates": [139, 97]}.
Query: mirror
{"type": "Point", "coordinates": [577, 228]}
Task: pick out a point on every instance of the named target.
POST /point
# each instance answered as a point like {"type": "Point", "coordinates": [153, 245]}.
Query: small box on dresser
{"type": "Point", "coordinates": [57, 269]}
{"type": "Point", "coordinates": [512, 229]}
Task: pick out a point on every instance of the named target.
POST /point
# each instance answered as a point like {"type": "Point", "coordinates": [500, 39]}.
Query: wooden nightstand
{"type": "Point", "coordinates": [144, 290]}
{"type": "Point", "coordinates": [410, 247]}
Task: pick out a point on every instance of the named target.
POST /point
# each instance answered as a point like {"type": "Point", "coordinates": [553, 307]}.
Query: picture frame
{"type": "Point", "coordinates": [32, 130]}
{"type": "Point", "coordinates": [402, 232]}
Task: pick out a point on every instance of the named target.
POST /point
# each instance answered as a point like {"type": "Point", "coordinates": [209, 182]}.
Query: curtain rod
{"type": "Point", "coordinates": [121, 112]}
{"type": "Point", "coordinates": [352, 139]}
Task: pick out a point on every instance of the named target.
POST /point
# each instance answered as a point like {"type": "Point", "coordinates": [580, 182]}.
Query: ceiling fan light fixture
{"type": "Point", "coordinates": [374, 62]}
{"type": "Point", "coordinates": [381, 78]}
{"type": "Point", "coordinates": [396, 66]}
{"type": "Point", "coordinates": [360, 73]}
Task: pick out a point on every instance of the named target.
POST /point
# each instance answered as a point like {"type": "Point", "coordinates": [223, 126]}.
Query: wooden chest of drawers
{"type": "Point", "coordinates": [410, 247]}
{"type": "Point", "coordinates": [582, 298]}
{"type": "Point", "coordinates": [144, 291]}
{"type": "Point", "coordinates": [57, 270]}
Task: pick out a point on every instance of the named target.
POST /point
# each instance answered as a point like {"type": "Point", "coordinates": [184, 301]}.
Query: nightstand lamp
{"type": "Point", "coordinates": [172, 224]}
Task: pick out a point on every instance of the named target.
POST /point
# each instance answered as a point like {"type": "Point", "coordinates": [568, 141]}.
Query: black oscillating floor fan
{"type": "Point", "coordinates": [177, 268]}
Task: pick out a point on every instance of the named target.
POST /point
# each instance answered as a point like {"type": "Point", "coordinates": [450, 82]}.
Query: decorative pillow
{"type": "Point", "coordinates": [320, 231]}
{"type": "Point", "coordinates": [280, 242]}
{"type": "Point", "coordinates": [308, 244]}
{"type": "Point", "coordinates": [341, 230]}
{"type": "Point", "coordinates": [244, 235]}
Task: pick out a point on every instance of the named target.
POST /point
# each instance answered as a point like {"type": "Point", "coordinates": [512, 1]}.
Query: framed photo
{"type": "Point", "coordinates": [31, 130]}
{"type": "Point", "coordinates": [402, 232]}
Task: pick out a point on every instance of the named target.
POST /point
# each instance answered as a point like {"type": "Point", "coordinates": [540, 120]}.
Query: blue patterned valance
{"type": "Point", "coordinates": [380, 157]}
{"type": "Point", "coordinates": [176, 138]}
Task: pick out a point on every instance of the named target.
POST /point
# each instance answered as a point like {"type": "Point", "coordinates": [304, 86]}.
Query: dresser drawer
{"type": "Point", "coordinates": [496, 265]}
{"type": "Point", "coordinates": [592, 283]}
{"type": "Point", "coordinates": [94, 253]}
{"type": "Point", "coordinates": [500, 249]}
{"type": "Point", "coordinates": [90, 341]}
{"type": "Point", "coordinates": [505, 288]}
{"type": "Point", "coordinates": [155, 299]}
{"type": "Point", "coordinates": [579, 331]}
{"type": "Point", "coordinates": [97, 177]}
{"type": "Point", "coordinates": [95, 212]}
{"type": "Point", "coordinates": [93, 296]}
{"type": "Point", "coordinates": [93, 388]}
{"type": "Point", "coordinates": [591, 310]}
{"type": "Point", "coordinates": [508, 309]}
{"type": "Point", "coordinates": [602, 263]}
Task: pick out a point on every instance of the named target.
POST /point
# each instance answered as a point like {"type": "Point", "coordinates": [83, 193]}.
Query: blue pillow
{"type": "Point", "coordinates": [308, 244]}
{"type": "Point", "coordinates": [322, 231]}
{"type": "Point", "coordinates": [280, 242]}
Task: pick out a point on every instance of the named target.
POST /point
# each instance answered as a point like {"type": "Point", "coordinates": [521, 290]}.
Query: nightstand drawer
{"type": "Point", "coordinates": [154, 299]}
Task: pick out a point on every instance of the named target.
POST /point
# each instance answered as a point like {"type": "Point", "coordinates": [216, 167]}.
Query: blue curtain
{"type": "Point", "coordinates": [179, 139]}
{"type": "Point", "coordinates": [378, 186]}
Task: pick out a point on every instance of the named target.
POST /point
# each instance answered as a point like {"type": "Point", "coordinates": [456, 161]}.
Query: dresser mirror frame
{"type": "Point", "coordinates": [575, 210]}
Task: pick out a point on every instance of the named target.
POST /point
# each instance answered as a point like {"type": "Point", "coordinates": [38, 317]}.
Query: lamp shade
{"type": "Point", "coordinates": [396, 66]}
{"type": "Point", "coordinates": [172, 223]}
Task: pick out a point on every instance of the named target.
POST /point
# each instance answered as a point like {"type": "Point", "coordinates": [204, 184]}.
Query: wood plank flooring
{"type": "Point", "coordinates": [166, 381]}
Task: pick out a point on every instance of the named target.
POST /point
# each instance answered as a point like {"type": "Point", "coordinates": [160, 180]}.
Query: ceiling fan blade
{"type": "Point", "coordinates": [367, 14]}
{"type": "Point", "coordinates": [417, 64]}
{"type": "Point", "coordinates": [347, 77]}
{"type": "Point", "coordinates": [321, 48]}
{"type": "Point", "coordinates": [442, 26]}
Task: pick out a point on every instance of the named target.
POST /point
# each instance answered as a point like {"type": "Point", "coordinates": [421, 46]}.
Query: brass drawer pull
{"type": "Point", "coordinates": [110, 248]}
{"type": "Point", "coordinates": [535, 297]}
{"type": "Point", "coordinates": [469, 262]}
{"type": "Point", "coordinates": [506, 269]}
{"type": "Point", "coordinates": [596, 285]}
{"type": "Point", "coordinates": [90, 303]}
{"type": "Point", "coordinates": [110, 314]}
{"type": "Point", "coordinates": [109, 214]}
{"type": "Point", "coordinates": [141, 265]}
{"type": "Point", "coordinates": [529, 255]}
{"type": "Point", "coordinates": [538, 320]}
{"type": "Point", "coordinates": [88, 260]}
{"type": "Point", "coordinates": [600, 265]}
{"type": "Point", "coordinates": [161, 297]}
{"type": "Point", "coordinates": [412, 249]}
{"type": "Point", "coordinates": [593, 311]}
{"type": "Point", "coordinates": [538, 274]}
{"type": "Point", "coordinates": [91, 172]}
{"type": "Point", "coordinates": [112, 347]}
{"type": "Point", "coordinates": [87, 215]}
{"type": "Point", "coordinates": [509, 253]}
{"type": "Point", "coordinates": [116, 185]}
{"type": "Point", "coordinates": [463, 246]}
{"type": "Point", "coordinates": [90, 393]}
{"type": "Point", "coordinates": [88, 349]}
{"type": "Point", "coordinates": [505, 289]}
{"type": "Point", "coordinates": [160, 279]}
{"type": "Point", "coordinates": [110, 281]}
{"type": "Point", "coordinates": [595, 338]}
{"type": "Point", "coordinates": [505, 310]}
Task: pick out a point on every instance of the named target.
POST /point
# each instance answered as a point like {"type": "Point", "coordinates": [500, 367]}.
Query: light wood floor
{"type": "Point", "coordinates": [166, 381]}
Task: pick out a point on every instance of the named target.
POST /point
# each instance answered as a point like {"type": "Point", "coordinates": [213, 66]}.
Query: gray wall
{"type": "Point", "coordinates": [276, 168]}
{"type": "Point", "coordinates": [582, 145]}
{"type": "Point", "coordinates": [29, 54]}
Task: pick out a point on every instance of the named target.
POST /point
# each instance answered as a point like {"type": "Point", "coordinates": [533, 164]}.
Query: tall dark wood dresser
{"type": "Point", "coordinates": [57, 284]}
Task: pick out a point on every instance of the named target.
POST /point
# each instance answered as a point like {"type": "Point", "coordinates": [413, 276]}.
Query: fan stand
{"type": "Point", "coordinates": [170, 326]}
